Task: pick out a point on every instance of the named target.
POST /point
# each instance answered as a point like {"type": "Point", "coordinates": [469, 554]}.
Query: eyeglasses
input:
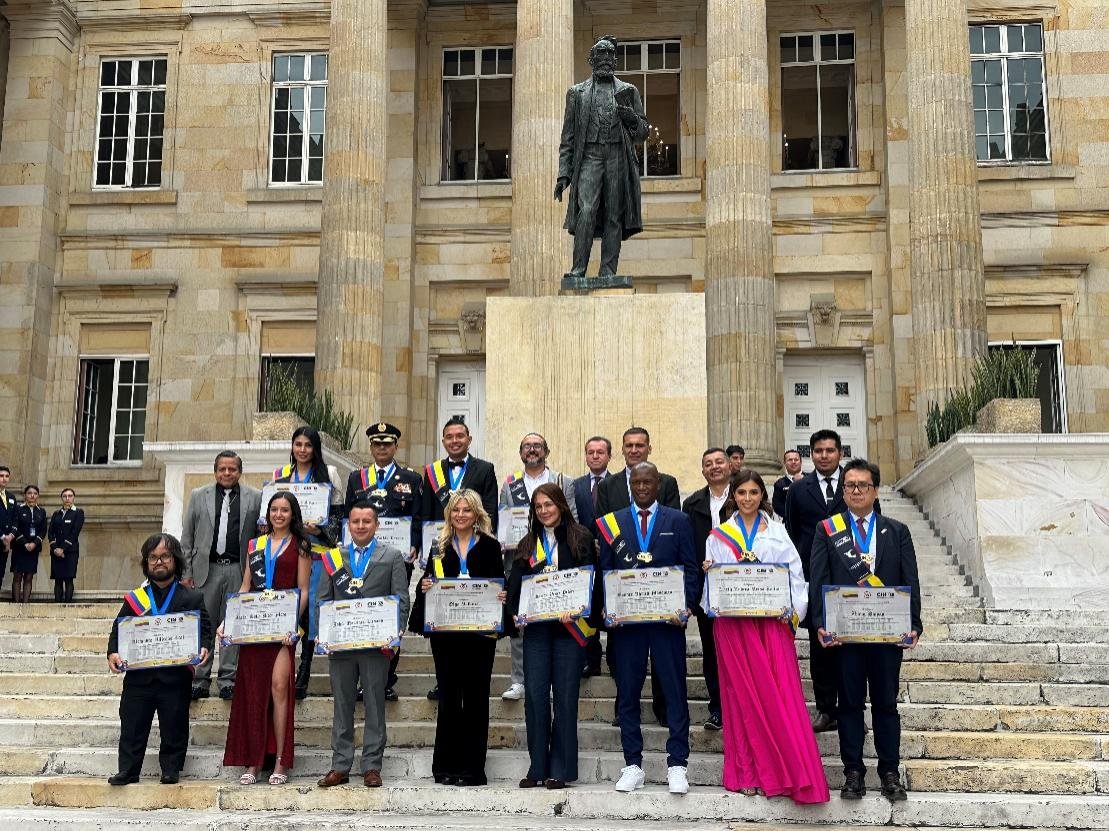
{"type": "Point", "coordinates": [857, 487]}
{"type": "Point", "coordinates": [531, 446]}
{"type": "Point", "coordinates": [160, 558]}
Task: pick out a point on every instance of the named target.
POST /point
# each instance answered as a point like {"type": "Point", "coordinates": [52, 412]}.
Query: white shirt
{"type": "Point", "coordinates": [651, 510]}
{"type": "Point", "coordinates": [869, 519]}
{"type": "Point", "coordinates": [533, 482]}
{"type": "Point", "coordinates": [715, 504]}
{"type": "Point", "coordinates": [834, 476]}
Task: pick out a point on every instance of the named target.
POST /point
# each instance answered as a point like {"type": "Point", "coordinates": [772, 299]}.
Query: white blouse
{"type": "Point", "coordinates": [772, 545]}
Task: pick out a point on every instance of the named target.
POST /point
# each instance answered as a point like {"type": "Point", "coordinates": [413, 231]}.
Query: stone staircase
{"type": "Point", "coordinates": [1005, 718]}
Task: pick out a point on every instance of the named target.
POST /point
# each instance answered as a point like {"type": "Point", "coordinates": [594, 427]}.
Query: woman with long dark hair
{"type": "Point", "coordinates": [769, 747]}
{"type": "Point", "coordinates": [554, 651]}
{"type": "Point", "coordinates": [306, 464]}
{"type": "Point", "coordinates": [260, 729]}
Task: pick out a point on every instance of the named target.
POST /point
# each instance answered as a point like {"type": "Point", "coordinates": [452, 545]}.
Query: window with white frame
{"type": "Point", "coordinates": [654, 68]}
{"type": "Point", "coordinates": [818, 100]}
{"type": "Point", "coordinates": [477, 113]}
{"type": "Point", "coordinates": [111, 410]}
{"type": "Point", "coordinates": [130, 123]}
{"type": "Point", "coordinates": [299, 103]}
{"type": "Point", "coordinates": [1010, 99]}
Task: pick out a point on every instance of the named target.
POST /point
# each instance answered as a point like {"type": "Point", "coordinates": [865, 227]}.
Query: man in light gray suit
{"type": "Point", "coordinates": [366, 568]}
{"type": "Point", "coordinates": [220, 521]}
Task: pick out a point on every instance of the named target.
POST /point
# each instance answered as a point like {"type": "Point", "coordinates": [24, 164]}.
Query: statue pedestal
{"type": "Point", "coordinates": [572, 367]}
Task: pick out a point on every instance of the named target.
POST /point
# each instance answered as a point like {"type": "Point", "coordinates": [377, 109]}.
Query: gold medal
{"type": "Point", "coordinates": [269, 594]}
{"type": "Point", "coordinates": [356, 582]}
{"type": "Point", "coordinates": [549, 569]}
{"type": "Point", "coordinates": [380, 493]}
{"type": "Point", "coordinates": [644, 556]}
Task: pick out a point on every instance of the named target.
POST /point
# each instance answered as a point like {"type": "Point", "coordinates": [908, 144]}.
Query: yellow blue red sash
{"type": "Point", "coordinates": [139, 600]}
{"type": "Point", "coordinates": [837, 529]}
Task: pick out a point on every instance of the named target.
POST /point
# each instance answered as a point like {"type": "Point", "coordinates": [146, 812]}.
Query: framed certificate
{"type": "Point", "coordinates": [512, 525]}
{"type": "Point", "coordinates": [644, 595]}
{"type": "Point", "coordinates": [868, 614]}
{"type": "Point", "coordinates": [465, 605]}
{"type": "Point", "coordinates": [154, 641]}
{"type": "Point", "coordinates": [747, 590]}
{"type": "Point", "coordinates": [432, 529]}
{"type": "Point", "coordinates": [261, 617]}
{"type": "Point", "coordinates": [550, 595]}
{"type": "Point", "coordinates": [365, 623]}
{"type": "Point", "coordinates": [314, 499]}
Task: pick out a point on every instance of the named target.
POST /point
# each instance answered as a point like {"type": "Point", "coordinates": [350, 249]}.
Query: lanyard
{"type": "Point", "coordinates": [549, 547]}
{"type": "Point", "coordinates": [457, 480]}
{"type": "Point", "coordinates": [650, 530]}
{"type": "Point", "coordinates": [358, 564]}
{"type": "Point", "coordinates": [155, 609]}
{"type": "Point", "coordinates": [861, 544]}
{"type": "Point", "coordinates": [463, 569]}
{"type": "Point", "coordinates": [386, 474]}
{"type": "Point", "coordinates": [271, 560]}
{"type": "Point", "coordinates": [748, 538]}
{"type": "Point", "coordinates": [296, 476]}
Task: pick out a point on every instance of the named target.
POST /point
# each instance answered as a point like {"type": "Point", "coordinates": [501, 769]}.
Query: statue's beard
{"type": "Point", "coordinates": [604, 71]}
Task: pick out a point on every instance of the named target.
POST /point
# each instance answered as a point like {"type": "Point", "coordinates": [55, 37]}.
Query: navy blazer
{"type": "Point", "coordinates": [671, 544]}
{"type": "Point", "coordinates": [613, 494]}
{"type": "Point", "coordinates": [894, 564]}
{"type": "Point", "coordinates": [583, 499]}
{"type": "Point", "coordinates": [806, 508]}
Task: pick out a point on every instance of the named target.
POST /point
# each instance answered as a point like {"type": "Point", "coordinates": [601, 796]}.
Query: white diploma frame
{"type": "Point", "coordinates": [868, 614]}
{"type": "Point", "coordinates": [156, 641]}
{"type": "Point", "coordinates": [465, 605]}
{"type": "Point", "coordinates": [549, 595]}
{"type": "Point", "coordinates": [512, 525]}
{"type": "Point", "coordinates": [363, 623]}
{"type": "Point", "coordinates": [314, 499]}
{"type": "Point", "coordinates": [748, 590]}
{"type": "Point", "coordinates": [261, 617]}
{"type": "Point", "coordinates": [432, 529]}
{"type": "Point", "coordinates": [644, 595]}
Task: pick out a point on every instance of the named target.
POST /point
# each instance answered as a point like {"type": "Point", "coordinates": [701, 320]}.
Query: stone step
{"type": "Point", "coordinates": [106, 610]}
{"type": "Point", "coordinates": [585, 802]}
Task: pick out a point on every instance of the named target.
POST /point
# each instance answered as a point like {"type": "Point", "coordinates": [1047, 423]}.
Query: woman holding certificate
{"type": "Point", "coordinates": [554, 650]}
{"type": "Point", "coordinates": [769, 746]}
{"type": "Point", "coordinates": [261, 724]}
{"type": "Point", "coordinates": [466, 549]}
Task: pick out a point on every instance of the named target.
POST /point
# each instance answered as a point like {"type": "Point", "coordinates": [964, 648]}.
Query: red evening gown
{"type": "Point", "coordinates": [250, 738]}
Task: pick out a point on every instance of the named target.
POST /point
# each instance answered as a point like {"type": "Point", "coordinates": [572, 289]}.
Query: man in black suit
{"type": "Point", "coordinates": [615, 492]}
{"type": "Point", "coordinates": [792, 461]}
{"type": "Point", "coordinates": [864, 546]}
{"type": "Point", "coordinates": [703, 509]}
{"type": "Point", "coordinates": [817, 496]}
{"type": "Point", "coordinates": [166, 691]}
{"type": "Point", "coordinates": [458, 470]}
{"type": "Point", "coordinates": [8, 505]}
{"type": "Point", "coordinates": [598, 453]}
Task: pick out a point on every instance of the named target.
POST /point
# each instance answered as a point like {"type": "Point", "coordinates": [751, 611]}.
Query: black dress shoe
{"type": "Point", "coordinates": [358, 695]}
{"type": "Point", "coordinates": [471, 781]}
{"type": "Point", "coordinates": [301, 693]}
{"type": "Point", "coordinates": [555, 784]}
{"type": "Point", "coordinates": [892, 789]}
{"type": "Point", "coordinates": [227, 693]}
{"type": "Point", "coordinates": [714, 722]}
{"type": "Point", "coordinates": [590, 672]}
{"type": "Point", "coordinates": [824, 723]}
{"type": "Point", "coordinates": [171, 777]}
{"type": "Point", "coordinates": [853, 787]}
{"type": "Point", "coordinates": [530, 783]}
{"type": "Point", "coordinates": [391, 694]}
{"type": "Point", "coordinates": [199, 693]}
{"type": "Point", "coordinates": [433, 693]}
{"type": "Point", "coordinates": [122, 779]}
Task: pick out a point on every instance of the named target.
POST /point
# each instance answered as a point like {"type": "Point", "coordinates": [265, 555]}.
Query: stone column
{"type": "Point", "coordinates": [945, 231]}
{"type": "Point", "coordinates": [543, 71]}
{"type": "Point", "coordinates": [742, 380]}
{"type": "Point", "coordinates": [352, 238]}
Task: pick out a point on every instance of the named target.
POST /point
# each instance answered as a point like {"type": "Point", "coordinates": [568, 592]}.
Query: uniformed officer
{"type": "Point", "coordinates": [394, 491]}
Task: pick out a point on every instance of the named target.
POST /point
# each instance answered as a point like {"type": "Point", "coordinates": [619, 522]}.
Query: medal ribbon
{"type": "Point", "coordinates": [457, 480]}
{"type": "Point", "coordinates": [463, 569]}
{"type": "Point", "coordinates": [161, 610]}
{"type": "Point", "coordinates": [271, 560]}
{"type": "Point", "coordinates": [359, 565]}
{"type": "Point", "coordinates": [643, 541]}
{"type": "Point", "coordinates": [862, 544]}
{"type": "Point", "coordinates": [748, 538]}
{"type": "Point", "coordinates": [296, 476]}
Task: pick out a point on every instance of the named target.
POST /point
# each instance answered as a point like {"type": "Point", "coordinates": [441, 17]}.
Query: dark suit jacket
{"type": "Point", "coordinates": [484, 561]}
{"type": "Point", "coordinates": [480, 477]}
{"type": "Point", "coordinates": [30, 527]}
{"type": "Point", "coordinates": [583, 499]}
{"type": "Point", "coordinates": [184, 600]}
{"type": "Point", "coordinates": [894, 565]}
{"type": "Point", "coordinates": [613, 495]}
{"type": "Point", "coordinates": [698, 508]}
{"type": "Point", "coordinates": [64, 535]}
{"type": "Point", "coordinates": [585, 555]}
{"type": "Point", "coordinates": [7, 515]}
{"type": "Point", "coordinates": [671, 544]}
{"type": "Point", "coordinates": [781, 488]}
{"type": "Point", "coordinates": [805, 507]}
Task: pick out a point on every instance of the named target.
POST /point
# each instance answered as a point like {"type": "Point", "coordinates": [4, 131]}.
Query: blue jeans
{"type": "Point", "coordinates": [552, 660]}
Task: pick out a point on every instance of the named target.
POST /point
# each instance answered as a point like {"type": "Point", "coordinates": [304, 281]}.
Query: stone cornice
{"type": "Point", "coordinates": [134, 22]}
{"type": "Point", "coordinates": [33, 19]}
{"type": "Point", "coordinates": [1032, 219]}
{"type": "Point", "coordinates": [1035, 271]}
{"type": "Point", "coordinates": [116, 287]}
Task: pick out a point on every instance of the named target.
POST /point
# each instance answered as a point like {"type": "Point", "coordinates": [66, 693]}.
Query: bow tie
{"type": "Point", "coordinates": [453, 463]}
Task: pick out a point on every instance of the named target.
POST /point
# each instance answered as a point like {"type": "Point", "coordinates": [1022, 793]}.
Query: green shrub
{"type": "Point", "coordinates": [285, 393]}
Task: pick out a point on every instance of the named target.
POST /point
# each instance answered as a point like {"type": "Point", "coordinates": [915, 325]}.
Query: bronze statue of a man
{"type": "Point", "coordinates": [603, 122]}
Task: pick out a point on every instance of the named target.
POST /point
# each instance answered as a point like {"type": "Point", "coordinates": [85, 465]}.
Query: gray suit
{"type": "Point", "coordinates": [216, 580]}
{"type": "Point", "coordinates": [385, 575]}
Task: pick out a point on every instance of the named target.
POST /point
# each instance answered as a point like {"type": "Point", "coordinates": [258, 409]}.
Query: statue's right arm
{"type": "Point", "coordinates": [566, 145]}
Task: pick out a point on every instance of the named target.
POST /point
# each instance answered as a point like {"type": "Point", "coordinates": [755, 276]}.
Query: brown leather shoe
{"type": "Point", "coordinates": [333, 778]}
{"type": "Point", "coordinates": [372, 778]}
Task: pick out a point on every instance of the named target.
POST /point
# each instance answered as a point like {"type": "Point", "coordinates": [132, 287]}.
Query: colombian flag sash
{"type": "Point", "coordinates": [139, 600]}
{"type": "Point", "coordinates": [729, 534]}
{"type": "Point", "coordinates": [608, 527]}
{"type": "Point", "coordinates": [838, 529]}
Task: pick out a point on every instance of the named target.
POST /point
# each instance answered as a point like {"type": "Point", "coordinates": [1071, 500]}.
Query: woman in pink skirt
{"type": "Point", "coordinates": [769, 746]}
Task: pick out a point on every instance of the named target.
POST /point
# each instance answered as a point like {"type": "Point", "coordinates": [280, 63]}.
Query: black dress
{"type": "Point", "coordinates": [30, 527]}
{"type": "Point", "coordinates": [65, 528]}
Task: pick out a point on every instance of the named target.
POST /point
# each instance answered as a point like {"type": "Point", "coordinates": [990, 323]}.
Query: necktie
{"type": "Point", "coordinates": [593, 492]}
{"type": "Point", "coordinates": [221, 528]}
{"type": "Point", "coordinates": [381, 476]}
{"type": "Point", "coordinates": [862, 528]}
{"type": "Point", "coordinates": [829, 491]}
{"type": "Point", "coordinates": [643, 522]}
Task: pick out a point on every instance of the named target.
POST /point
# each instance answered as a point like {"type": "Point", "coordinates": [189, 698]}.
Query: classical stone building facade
{"type": "Point", "coordinates": [867, 193]}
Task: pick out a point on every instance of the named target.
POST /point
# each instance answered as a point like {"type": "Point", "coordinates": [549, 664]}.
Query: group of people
{"type": "Point", "coordinates": [26, 531]}
{"type": "Point", "coordinates": [629, 519]}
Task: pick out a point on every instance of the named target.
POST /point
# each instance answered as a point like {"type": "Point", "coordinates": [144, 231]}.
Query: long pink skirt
{"type": "Point", "coordinates": [768, 738]}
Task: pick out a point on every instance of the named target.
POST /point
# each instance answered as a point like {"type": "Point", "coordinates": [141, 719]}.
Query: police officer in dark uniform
{"type": "Point", "coordinates": [393, 490]}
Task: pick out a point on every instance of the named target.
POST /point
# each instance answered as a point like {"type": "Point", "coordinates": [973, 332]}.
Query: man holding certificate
{"type": "Point", "coordinates": [368, 568]}
{"type": "Point", "coordinates": [650, 537]}
{"type": "Point", "coordinates": [866, 551]}
{"type": "Point", "coordinates": [166, 687]}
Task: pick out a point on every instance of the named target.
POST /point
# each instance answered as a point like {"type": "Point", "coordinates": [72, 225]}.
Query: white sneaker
{"type": "Point", "coordinates": [513, 693]}
{"type": "Point", "coordinates": [631, 778]}
{"type": "Point", "coordinates": [676, 778]}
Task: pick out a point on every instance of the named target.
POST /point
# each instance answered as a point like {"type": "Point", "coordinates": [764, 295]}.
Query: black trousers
{"type": "Point", "coordinates": [824, 670]}
{"type": "Point", "coordinates": [169, 697]}
{"type": "Point", "coordinates": [593, 654]}
{"type": "Point", "coordinates": [879, 668]}
{"type": "Point", "coordinates": [463, 668]}
{"type": "Point", "coordinates": [708, 649]}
